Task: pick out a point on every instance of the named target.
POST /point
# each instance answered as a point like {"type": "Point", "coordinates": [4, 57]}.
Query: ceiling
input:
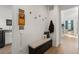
{"type": "Point", "coordinates": [63, 7]}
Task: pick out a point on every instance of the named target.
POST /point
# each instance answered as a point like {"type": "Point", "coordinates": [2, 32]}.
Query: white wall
{"type": "Point", "coordinates": [78, 27]}
{"type": "Point", "coordinates": [8, 37]}
{"type": "Point", "coordinates": [33, 29]}
{"type": "Point", "coordinates": [6, 13]}
{"type": "Point", "coordinates": [54, 15]}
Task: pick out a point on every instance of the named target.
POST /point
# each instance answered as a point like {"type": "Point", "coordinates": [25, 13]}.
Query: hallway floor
{"type": "Point", "coordinates": [6, 50]}
{"type": "Point", "coordinates": [68, 46]}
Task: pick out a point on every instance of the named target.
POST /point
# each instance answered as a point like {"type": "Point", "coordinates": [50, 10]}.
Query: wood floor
{"type": "Point", "coordinates": [6, 50]}
{"type": "Point", "coordinates": [68, 46]}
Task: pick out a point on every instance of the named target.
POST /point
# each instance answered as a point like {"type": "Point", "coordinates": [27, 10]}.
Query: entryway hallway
{"type": "Point", "coordinates": [68, 46]}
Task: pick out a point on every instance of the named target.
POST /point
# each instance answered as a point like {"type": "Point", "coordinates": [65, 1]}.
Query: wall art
{"type": "Point", "coordinates": [39, 15]}
{"type": "Point", "coordinates": [35, 17]}
{"type": "Point", "coordinates": [8, 22]}
{"type": "Point", "coordinates": [30, 12]}
{"type": "Point", "coordinates": [21, 19]}
{"type": "Point", "coordinates": [42, 19]}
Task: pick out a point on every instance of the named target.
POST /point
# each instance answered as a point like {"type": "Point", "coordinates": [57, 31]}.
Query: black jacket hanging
{"type": "Point", "coordinates": [51, 27]}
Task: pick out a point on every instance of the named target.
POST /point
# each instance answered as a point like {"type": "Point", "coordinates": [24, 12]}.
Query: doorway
{"type": "Point", "coordinates": [69, 39]}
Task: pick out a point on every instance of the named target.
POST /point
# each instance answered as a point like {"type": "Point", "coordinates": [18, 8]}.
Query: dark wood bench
{"type": "Point", "coordinates": [40, 48]}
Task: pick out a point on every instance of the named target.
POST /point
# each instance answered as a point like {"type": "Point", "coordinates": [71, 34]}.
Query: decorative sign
{"type": "Point", "coordinates": [45, 17]}
{"type": "Point", "coordinates": [21, 19]}
{"type": "Point", "coordinates": [35, 17]}
{"type": "Point", "coordinates": [39, 15]}
{"type": "Point", "coordinates": [30, 12]}
{"type": "Point", "coordinates": [42, 19]}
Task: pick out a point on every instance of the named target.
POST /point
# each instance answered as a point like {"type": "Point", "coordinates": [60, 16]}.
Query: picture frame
{"type": "Point", "coordinates": [21, 19]}
{"type": "Point", "coordinates": [8, 22]}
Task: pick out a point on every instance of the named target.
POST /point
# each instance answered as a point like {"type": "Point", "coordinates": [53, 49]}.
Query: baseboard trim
{"type": "Point", "coordinates": [57, 46]}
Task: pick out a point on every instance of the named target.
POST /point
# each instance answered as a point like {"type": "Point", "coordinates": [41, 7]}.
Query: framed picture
{"type": "Point", "coordinates": [21, 20]}
{"type": "Point", "coordinates": [8, 22]}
